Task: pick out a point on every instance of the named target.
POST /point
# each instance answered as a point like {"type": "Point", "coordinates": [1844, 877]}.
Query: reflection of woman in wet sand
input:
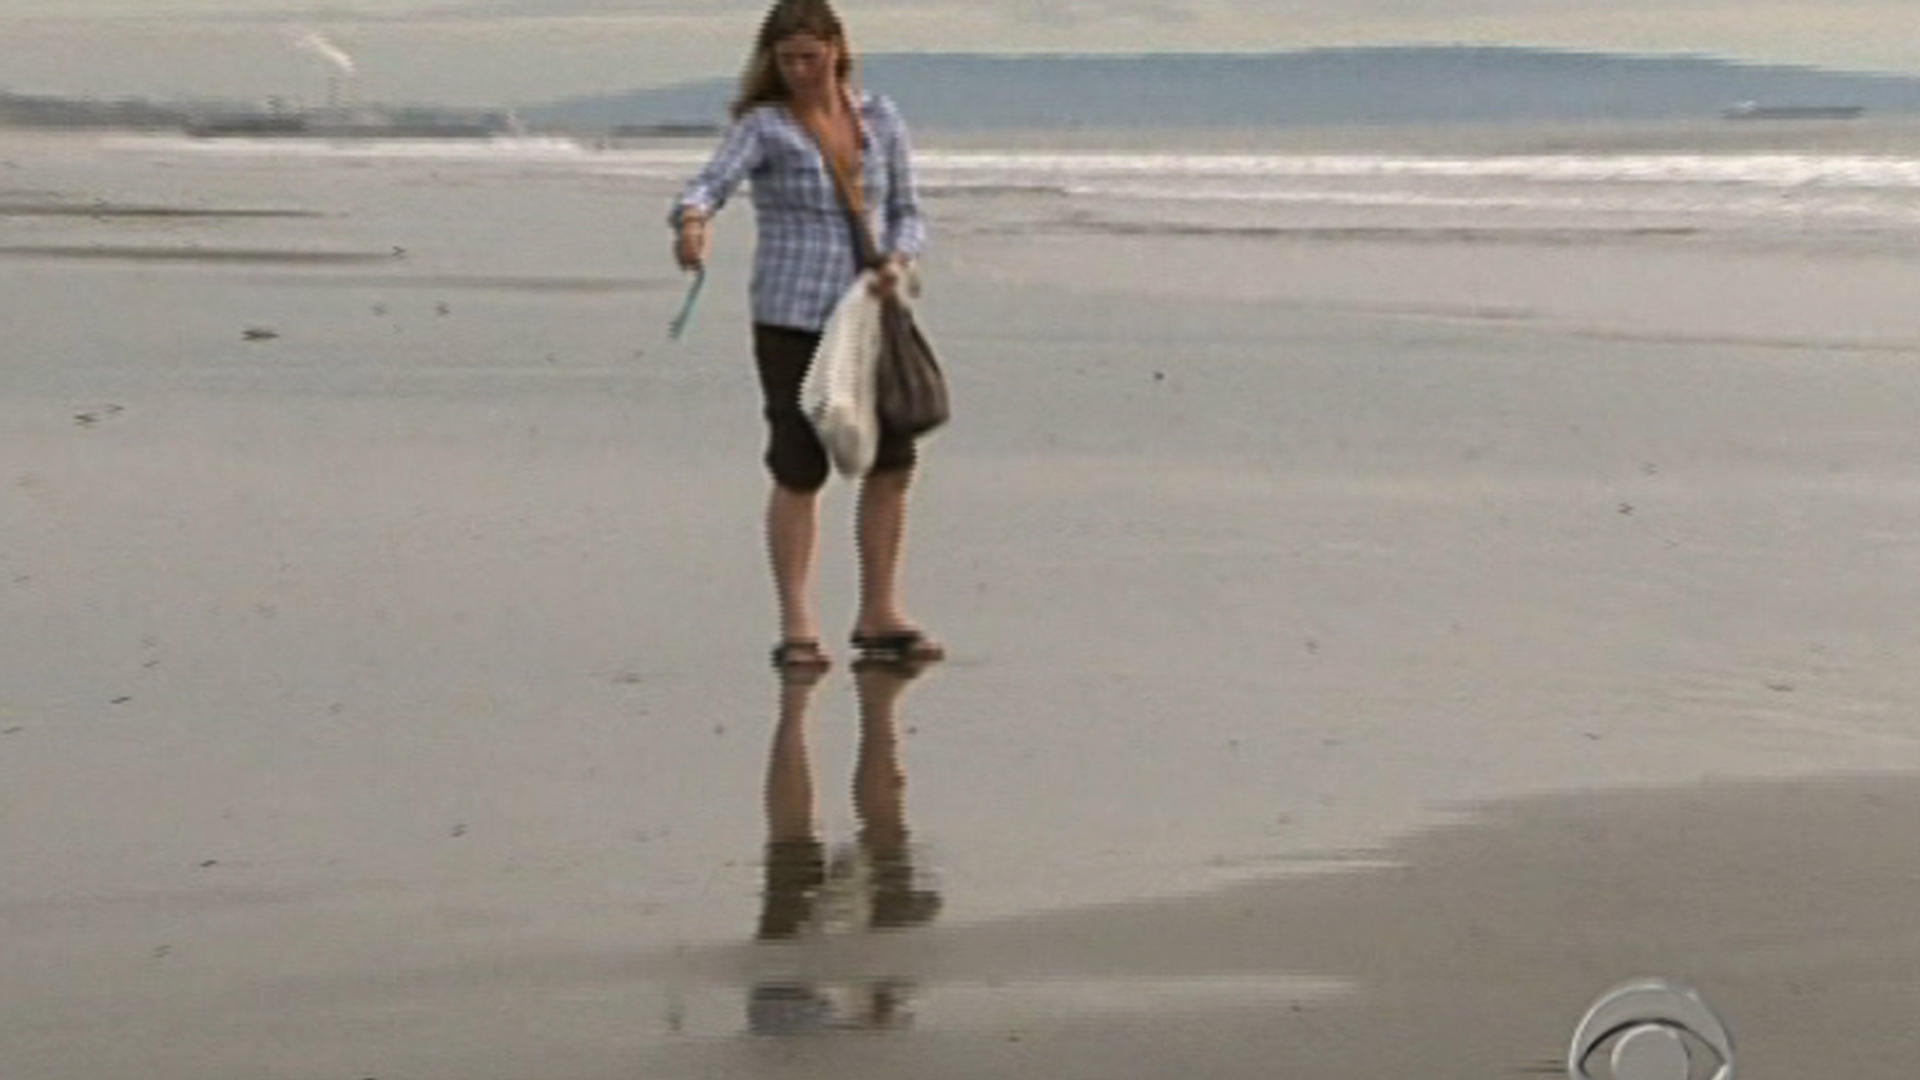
{"type": "Point", "coordinates": [868, 887]}
{"type": "Point", "coordinates": [797, 869]}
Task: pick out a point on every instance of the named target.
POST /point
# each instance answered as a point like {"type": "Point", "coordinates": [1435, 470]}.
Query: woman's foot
{"type": "Point", "coordinates": [898, 645]}
{"type": "Point", "coordinates": [799, 656]}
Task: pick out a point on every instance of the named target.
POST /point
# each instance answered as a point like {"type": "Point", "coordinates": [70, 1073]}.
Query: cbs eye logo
{"type": "Point", "coordinates": [1651, 1030]}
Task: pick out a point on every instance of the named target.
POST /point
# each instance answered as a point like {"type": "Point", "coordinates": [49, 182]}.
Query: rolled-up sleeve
{"type": "Point", "coordinates": [906, 229]}
{"type": "Point", "coordinates": [740, 153]}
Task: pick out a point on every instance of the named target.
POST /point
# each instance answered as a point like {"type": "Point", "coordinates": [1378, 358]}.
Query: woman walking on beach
{"type": "Point", "coordinates": [796, 120]}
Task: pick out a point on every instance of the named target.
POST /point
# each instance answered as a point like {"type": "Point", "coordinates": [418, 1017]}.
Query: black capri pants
{"type": "Point", "coordinates": [794, 455]}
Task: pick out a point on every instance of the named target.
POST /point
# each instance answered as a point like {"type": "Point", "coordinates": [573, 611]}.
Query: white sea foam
{"type": "Point", "coordinates": [1846, 189]}
{"type": "Point", "coordinates": [1892, 172]}
{"type": "Point", "coordinates": [1768, 170]}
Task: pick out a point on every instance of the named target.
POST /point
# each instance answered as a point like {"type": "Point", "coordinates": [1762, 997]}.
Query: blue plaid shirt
{"type": "Point", "coordinates": [803, 260]}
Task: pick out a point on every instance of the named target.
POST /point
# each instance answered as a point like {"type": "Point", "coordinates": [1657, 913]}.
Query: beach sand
{"type": "Point", "coordinates": [1348, 675]}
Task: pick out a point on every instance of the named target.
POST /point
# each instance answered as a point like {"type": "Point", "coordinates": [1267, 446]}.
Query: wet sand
{"type": "Point", "coordinates": [387, 697]}
{"type": "Point", "coordinates": [1465, 951]}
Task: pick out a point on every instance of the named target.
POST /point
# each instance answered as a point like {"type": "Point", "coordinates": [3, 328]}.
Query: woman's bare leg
{"type": "Point", "coordinates": [882, 524]}
{"type": "Point", "coordinates": [792, 533]}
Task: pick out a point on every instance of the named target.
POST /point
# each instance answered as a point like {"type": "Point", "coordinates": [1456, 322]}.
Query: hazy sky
{"type": "Point", "coordinates": [506, 51]}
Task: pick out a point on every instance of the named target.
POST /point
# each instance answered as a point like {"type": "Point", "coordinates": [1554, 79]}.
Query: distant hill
{"type": "Point", "coordinates": [1406, 85]}
{"type": "Point", "coordinates": [29, 110]}
{"type": "Point", "coordinates": [235, 119]}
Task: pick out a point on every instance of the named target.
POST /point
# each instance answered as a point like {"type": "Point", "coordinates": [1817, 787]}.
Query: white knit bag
{"type": "Point", "coordinates": [837, 394]}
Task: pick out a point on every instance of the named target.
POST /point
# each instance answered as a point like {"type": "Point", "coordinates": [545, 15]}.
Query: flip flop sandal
{"type": "Point", "coordinates": [899, 647]}
{"type": "Point", "coordinates": [800, 654]}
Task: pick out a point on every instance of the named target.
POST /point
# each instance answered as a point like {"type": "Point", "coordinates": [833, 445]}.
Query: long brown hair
{"type": "Point", "coordinates": [761, 83]}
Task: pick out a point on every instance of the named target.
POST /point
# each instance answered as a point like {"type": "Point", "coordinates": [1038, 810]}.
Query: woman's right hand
{"type": "Point", "coordinates": [690, 246]}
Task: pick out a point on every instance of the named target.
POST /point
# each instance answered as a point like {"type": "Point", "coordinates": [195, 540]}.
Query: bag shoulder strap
{"type": "Point", "coordinates": [865, 251]}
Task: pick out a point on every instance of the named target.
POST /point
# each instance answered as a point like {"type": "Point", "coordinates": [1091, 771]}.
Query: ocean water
{"type": "Point", "coordinates": [330, 229]}
{"type": "Point", "coordinates": [1843, 183]}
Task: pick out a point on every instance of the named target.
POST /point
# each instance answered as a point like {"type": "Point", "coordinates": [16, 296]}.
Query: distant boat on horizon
{"type": "Point", "coordinates": [1753, 110]}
